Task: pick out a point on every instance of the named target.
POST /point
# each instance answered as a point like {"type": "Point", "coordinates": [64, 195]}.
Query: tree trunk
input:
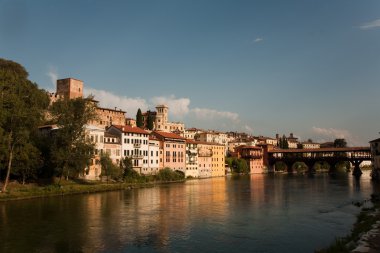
{"type": "Point", "coordinates": [11, 147]}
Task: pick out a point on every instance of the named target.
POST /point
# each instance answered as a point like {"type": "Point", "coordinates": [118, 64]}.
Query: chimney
{"type": "Point", "coordinates": [277, 136]}
{"type": "Point", "coordinates": [291, 135]}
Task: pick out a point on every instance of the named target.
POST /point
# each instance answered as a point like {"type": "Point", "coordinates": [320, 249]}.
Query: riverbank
{"type": "Point", "coordinates": [365, 235]}
{"type": "Point", "coordinates": [28, 191]}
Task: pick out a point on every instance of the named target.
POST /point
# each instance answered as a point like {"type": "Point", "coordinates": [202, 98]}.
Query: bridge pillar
{"type": "Point", "coordinates": [375, 174]}
{"type": "Point", "coordinates": [289, 166]}
{"type": "Point", "coordinates": [271, 167]}
{"type": "Point", "coordinates": [310, 167]}
{"type": "Point", "coordinates": [357, 171]}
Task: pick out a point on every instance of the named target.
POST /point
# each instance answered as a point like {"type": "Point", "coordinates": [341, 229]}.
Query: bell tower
{"type": "Point", "coordinates": [161, 117]}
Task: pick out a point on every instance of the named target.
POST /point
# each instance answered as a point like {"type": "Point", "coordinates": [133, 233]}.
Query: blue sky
{"type": "Point", "coordinates": [264, 67]}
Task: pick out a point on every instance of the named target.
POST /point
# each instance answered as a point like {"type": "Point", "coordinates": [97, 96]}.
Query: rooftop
{"type": "Point", "coordinates": [130, 129]}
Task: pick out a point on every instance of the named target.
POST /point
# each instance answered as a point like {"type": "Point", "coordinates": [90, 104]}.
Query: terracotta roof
{"type": "Point", "coordinates": [190, 141]}
{"type": "Point", "coordinates": [248, 147]}
{"type": "Point", "coordinates": [316, 150]}
{"type": "Point", "coordinates": [130, 129]}
{"type": "Point", "coordinates": [168, 135]}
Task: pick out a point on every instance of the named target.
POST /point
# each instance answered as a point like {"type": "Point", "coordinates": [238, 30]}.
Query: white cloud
{"type": "Point", "coordinates": [257, 40]}
{"type": "Point", "coordinates": [204, 113]}
{"type": "Point", "coordinates": [333, 133]}
{"type": "Point", "coordinates": [53, 75]}
{"type": "Point", "coordinates": [248, 129]}
{"type": "Point", "coordinates": [178, 107]}
{"type": "Point", "coordinates": [110, 100]}
{"type": "Point", "coordinates": [370, 25]}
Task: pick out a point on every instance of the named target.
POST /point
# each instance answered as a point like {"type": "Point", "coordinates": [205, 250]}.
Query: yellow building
{"type": "Point", "coordinates": [218, 162]}
{"type": "Point", "coordinates": [217, 158]}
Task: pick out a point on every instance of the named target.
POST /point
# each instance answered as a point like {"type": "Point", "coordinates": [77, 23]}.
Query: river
{"type": "Point", "coordinates": [256, 213]}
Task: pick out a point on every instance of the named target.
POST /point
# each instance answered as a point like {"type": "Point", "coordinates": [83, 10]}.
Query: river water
{"type": "Point", "coordinates": [256, 213]}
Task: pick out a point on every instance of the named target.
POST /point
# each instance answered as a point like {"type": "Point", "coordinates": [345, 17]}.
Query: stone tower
{"type": "Point", "coordinates": [70, 88]}
{"type": "Point", "coordinates": [161, 117]}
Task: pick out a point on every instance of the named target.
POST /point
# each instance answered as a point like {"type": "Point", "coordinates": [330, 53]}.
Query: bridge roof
{"type": "Point", "coordinates": [319, 150]}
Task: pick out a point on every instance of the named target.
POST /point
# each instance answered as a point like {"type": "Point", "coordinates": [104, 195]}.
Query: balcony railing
{"type": "Point", "coordinates": [137, 156]}
{"type": "Point", "coordinates": [137, 145]}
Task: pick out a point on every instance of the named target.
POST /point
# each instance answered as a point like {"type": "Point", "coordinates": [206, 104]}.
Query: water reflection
{"type": "Point", "coordinates": [261, 212]}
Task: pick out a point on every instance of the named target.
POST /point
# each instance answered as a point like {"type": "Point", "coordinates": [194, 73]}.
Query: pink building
{"type": "Point", "coordinates": [254, 157]}
{"type": "Point", "coordinates": [173, 148]}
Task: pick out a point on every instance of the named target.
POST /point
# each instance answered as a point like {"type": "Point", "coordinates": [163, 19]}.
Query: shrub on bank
{"type": "Point", "coordinates": [168, 175]}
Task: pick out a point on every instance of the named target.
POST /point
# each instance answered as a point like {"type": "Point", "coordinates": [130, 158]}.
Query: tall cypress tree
{"type": "Point", "coordinates": [139, 119]}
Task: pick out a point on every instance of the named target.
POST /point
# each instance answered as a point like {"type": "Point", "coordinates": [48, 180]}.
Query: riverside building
{"type": "Point", "coordinates": [134, 144]}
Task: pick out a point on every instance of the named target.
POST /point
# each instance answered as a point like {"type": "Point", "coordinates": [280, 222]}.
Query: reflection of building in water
{"type": "Point", "coordinates": [213, 199]}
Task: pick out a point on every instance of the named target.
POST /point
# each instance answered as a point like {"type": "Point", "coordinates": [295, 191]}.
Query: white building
{"type": "Point", "coordinates": [191, 159]}
{"type": "Point", "coordinates": [112, 147]}
{"type": "Point", "coordinates": [153, 156]}
{"type": "Point", "coordinates": [96, 136]}
{"type": "Point", "coordinates": [134, 144]}
{"type": "Point", "coordinates": [190, 133]}
{"type": "Point", "coordinates": [310, 145]}
{"type": "Point", "coordinates": [214, 137]}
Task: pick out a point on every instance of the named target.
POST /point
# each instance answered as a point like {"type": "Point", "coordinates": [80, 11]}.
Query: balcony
{"type": "Point", "coordinates": [137, 156]}
{"type": "Point", "coordinates": [192, 152]}
{"type": "Point", "coordinates": [136, 145]}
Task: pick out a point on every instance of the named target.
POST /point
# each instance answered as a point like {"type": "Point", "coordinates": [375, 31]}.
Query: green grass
{"type": "Point", "coordinates": [18, 191]}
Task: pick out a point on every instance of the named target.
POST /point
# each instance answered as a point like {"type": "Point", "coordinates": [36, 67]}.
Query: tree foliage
{"type": "Point", "coordinates": [109, 169]}
{"type": "Point", "coordinates": [168, 175]}
{"type": "Point", "coordinates": [22, 108]}
{"type": "Point", "coordinates": [150, 122]}
{"type": "Point", "coordinates": [70, 149]}
{"type": "Point", "coordinates": [283, 142]}
{"type": "Point", "coordinates": [139, 119]}
{"type": "Point", "coordinates": [238, 165]}
{"type": "Point", "coordinates": [340, 143]}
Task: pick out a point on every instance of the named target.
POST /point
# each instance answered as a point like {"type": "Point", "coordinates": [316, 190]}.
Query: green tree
{"type": "Point", "coordinates": [283, 142]}
{"type": "Point", "coordinates": [150, 122]}
{"type": "Point", "coordinates": [27, 161]}
{"type": "Point", "coordinates": [139, 119]}
{"type": "Point", "coordinates": [70, 149]}
{"type": "Point", "coordinates": [238, 165]}
{"type": "Point", "coordinates": [127, 169]}
{"type": "Point", "coordinates": [22, 108]}
{"type": "Point", "coordinates": [340, 143]}
{"type": "Point", "coordinates": [109, 169]}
